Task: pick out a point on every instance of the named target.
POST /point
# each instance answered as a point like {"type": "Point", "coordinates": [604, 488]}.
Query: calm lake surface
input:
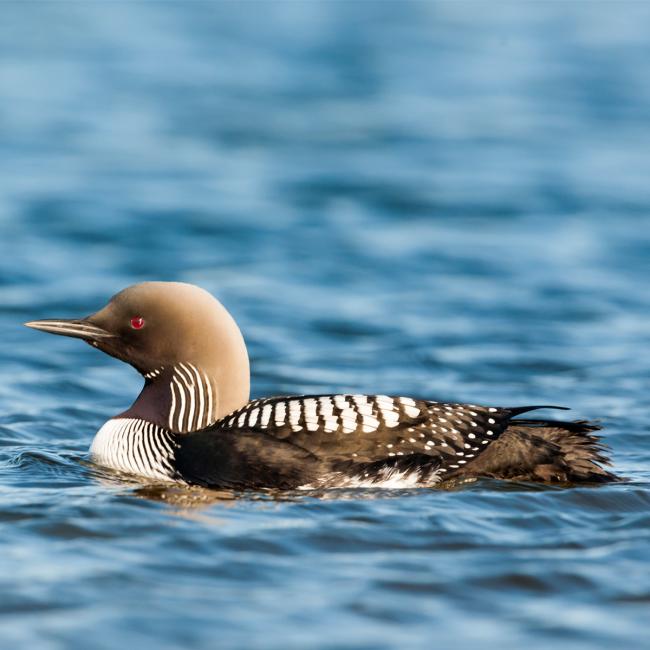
{"type": "Point", "coordinates": [440, 200]}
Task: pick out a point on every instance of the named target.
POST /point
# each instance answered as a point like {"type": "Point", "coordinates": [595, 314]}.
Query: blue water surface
{"type": "Point", "coordinates": [446, 200]}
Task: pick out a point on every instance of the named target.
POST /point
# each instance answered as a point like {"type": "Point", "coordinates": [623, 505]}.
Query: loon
{"type": "Point", "coordinates": [193, 422]}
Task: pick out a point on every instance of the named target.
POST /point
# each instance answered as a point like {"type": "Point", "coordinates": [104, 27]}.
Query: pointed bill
{"type": "Point", "coordinates": [76, 328]}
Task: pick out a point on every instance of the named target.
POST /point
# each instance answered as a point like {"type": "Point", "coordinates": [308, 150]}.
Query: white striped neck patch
{"type": "Point", "coordinates": [193, 399]}
{"type": "Point", "coordinates": [181, 398]}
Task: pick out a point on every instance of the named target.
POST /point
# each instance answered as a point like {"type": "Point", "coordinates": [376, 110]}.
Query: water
{"type": "Point", "coordinates": [438, 200]}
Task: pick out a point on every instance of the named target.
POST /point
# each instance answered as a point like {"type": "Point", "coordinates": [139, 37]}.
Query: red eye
{"type": "Point", "coordinates": [137, 322]}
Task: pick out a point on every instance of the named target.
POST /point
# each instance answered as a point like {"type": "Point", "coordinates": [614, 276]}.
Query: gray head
{"type": "Point", "coordinates": [174, 334]}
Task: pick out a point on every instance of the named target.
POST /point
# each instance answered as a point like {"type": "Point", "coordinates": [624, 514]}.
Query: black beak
{"type": "Point", "coordinates": [77, 328]}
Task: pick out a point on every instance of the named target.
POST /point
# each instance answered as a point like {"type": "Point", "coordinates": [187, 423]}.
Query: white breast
{"type": "Point", "coordinates": [135, 446]}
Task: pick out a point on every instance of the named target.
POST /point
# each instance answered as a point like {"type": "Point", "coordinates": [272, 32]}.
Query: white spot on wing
{"type": "Point", "coordinates": [349, 421]}
{"type": "Point", "coordinates": [363, 407]}
{"type": "Point", "coordinates": [311, 409]}
{"type": "Point", "coordinates": [327, 413]}
{"type": "Point", "coordinates": [252, 417]}
{"type": "Point", "coordinates": [294, 412]}
{"type": "Point", "coordinates": [385, 403]}
{"type": "Point", "coordinates": [340, 402]}
{"type": "Point", "coordinates": [370, 423]}
{"type": "Point", "coordinates": [280, 413]}
{"type": "Point", "coordinates": [390, 417]}
{"type": "Point", "coordinates": [266, 414]}
{"type": "Point", "coordinates": [411, 411]}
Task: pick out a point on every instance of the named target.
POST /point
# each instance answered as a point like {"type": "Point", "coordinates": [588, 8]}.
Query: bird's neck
{"type": "Point", "coordinates": [184, 397]}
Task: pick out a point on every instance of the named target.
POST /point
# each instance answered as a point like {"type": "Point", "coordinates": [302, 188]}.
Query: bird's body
{"type": "Point", "coordinates": [193, 422]}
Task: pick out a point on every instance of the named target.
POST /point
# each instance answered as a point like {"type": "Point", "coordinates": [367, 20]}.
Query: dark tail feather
{"type": "Point", "coordinates": [582, 454]}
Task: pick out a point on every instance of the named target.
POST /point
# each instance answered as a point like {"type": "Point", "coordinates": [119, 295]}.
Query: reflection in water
{"type": "Point", "coordinates": [197, 497]}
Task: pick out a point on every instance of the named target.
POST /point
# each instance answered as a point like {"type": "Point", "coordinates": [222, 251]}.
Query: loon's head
{"type": "Point", "coordinates": [164, 325]}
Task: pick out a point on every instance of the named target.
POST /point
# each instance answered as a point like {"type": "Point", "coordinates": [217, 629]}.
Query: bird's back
{"type": "Point", "coordinates": [377, 440]}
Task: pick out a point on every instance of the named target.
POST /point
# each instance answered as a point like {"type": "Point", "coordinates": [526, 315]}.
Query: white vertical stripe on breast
{"type": "Point", "coordinates": [147, 445]}
{"type": "Point", "coordinates": [126, 445]}
{"type": "Point", "coordinates": [165, 442]}
{"type": "Point", "coordinates": [137, 447]}
{"type": "Point", "coordinates": [156, 453]}
{"type": "Point", "coordinates": [125, 436]}
{"type": "Point", "coordinates": [134, 446]}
